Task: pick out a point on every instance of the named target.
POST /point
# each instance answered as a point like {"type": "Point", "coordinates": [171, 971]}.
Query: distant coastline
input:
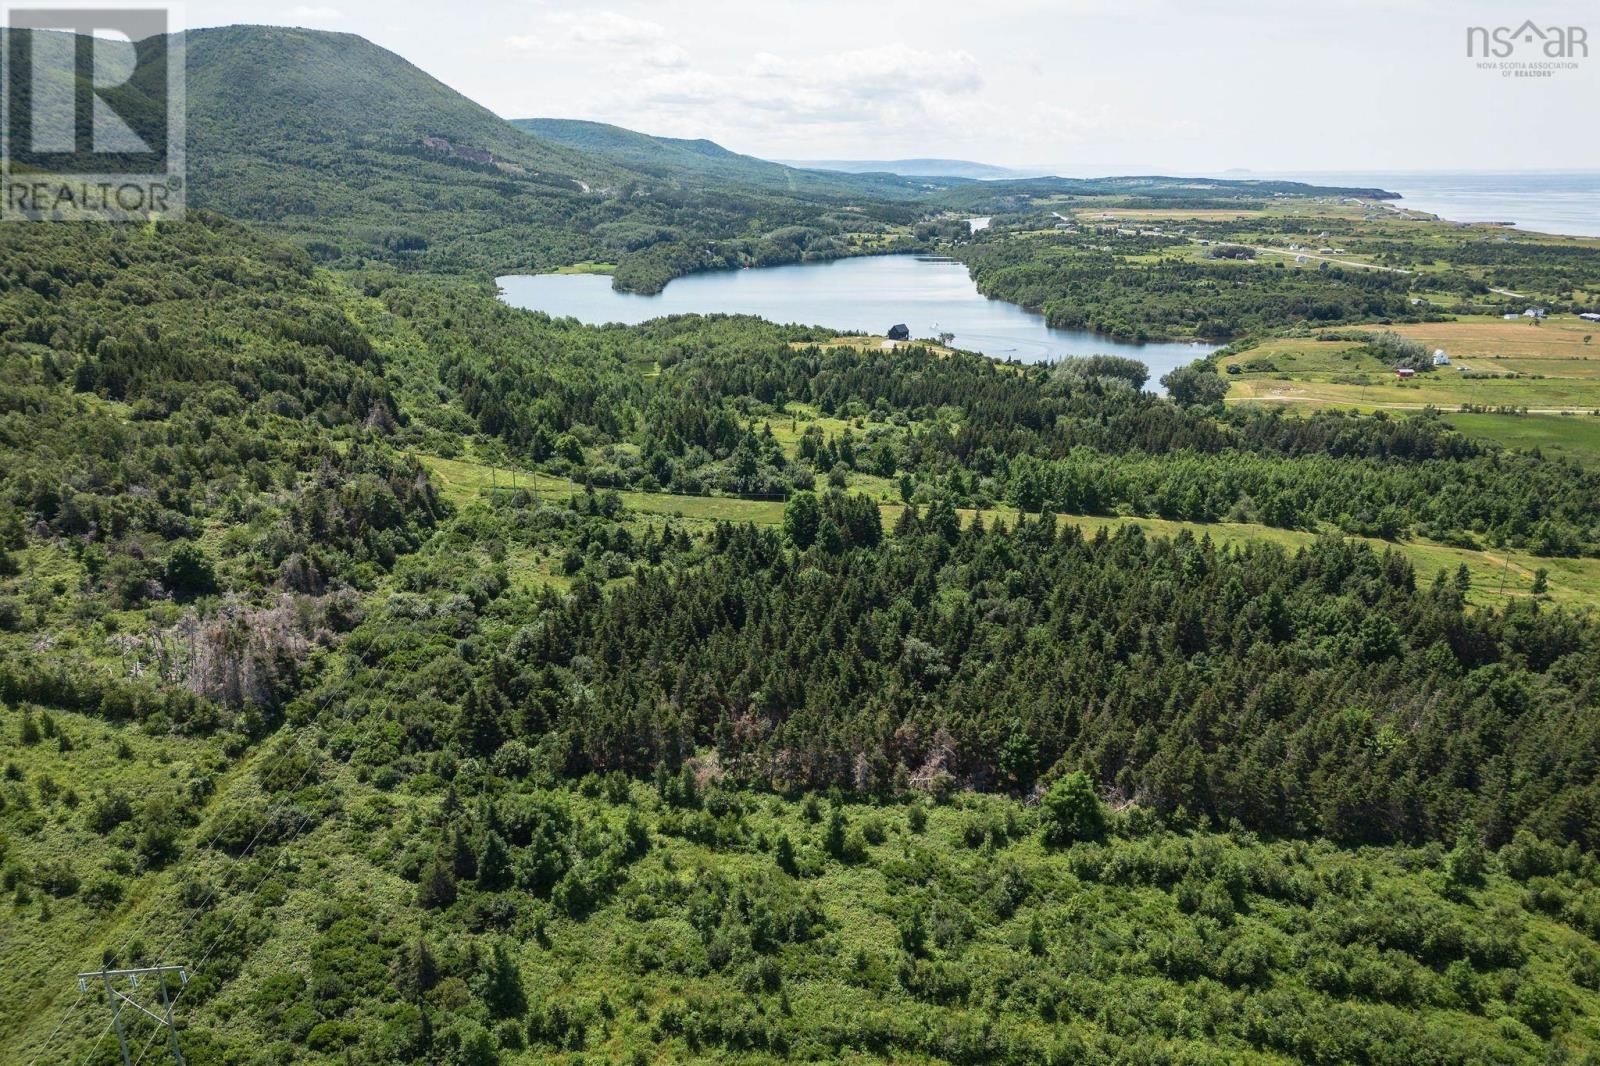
{"type": "Point", "coordinates": [1565, 202]}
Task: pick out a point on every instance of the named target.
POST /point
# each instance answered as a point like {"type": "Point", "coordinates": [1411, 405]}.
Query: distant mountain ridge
{"type": "Point", "coordinates": [681, 159]}
{"type": "Point", "coordinates": [920, 168]}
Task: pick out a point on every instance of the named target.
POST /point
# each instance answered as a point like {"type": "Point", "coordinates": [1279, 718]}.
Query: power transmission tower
{"type": "Point", "coordinates": [115, 997]}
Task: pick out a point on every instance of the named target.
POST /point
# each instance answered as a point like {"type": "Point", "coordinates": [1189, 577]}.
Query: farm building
{"type": "Point", "coordinates": [1439, 358]}
{"type": "Point", "coordinates": [1405, 372]}
{"type": "Point", "coordinates": [1534, 312]}
{"type": "Point", "coordinates": [1590, 316]}
{"type": "Point", "coordinates": [899, 332]}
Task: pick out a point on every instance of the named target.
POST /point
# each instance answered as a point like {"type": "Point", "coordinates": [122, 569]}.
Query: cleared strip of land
{"type": "Point", "coordinates": [1496, 575]}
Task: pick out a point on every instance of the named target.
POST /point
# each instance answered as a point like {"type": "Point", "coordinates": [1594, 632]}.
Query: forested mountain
{"type": "Point", "coordinates": [356, 154]}
{"type": "Point", "coordinates": [681, 159]}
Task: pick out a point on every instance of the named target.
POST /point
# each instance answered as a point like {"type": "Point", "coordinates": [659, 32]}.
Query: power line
{"type": "Point", "coordinates": [61, 1024]}
{"type": "Point", "coordinates": [115, 998]}
{"type": "Point", "coordinates": [195, 911]}
{"type": "Point", "coordinates": [232, 921]}
{"type": "Point", "coordinates": [145, 921]}
{"type": "Point", "coordinates": [283, 756]}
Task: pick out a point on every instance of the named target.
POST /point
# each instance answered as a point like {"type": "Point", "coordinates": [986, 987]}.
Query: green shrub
{"type": "Point", "coordinates": [1071, 812]}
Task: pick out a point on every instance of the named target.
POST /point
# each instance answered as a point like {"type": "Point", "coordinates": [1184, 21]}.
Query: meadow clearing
{"type": "Point", "coordinates": [1496, 575]}
{"type": "Point", "coordinates": [1549, 368]}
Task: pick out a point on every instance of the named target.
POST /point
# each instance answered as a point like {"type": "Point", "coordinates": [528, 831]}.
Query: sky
{"type": "Point", "coordinates": [1078, 86]}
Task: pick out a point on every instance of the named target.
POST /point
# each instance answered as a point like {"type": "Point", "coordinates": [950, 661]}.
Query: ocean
{"type": "Point", "coordinates": [1544, 201]}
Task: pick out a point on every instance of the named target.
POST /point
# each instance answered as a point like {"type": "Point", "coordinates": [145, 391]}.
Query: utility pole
{"type": "Point", "coordinates": [115, 998]}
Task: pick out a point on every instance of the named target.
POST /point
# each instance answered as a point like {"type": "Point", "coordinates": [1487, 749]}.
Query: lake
{"type": "Point", "coordinates": [864, 295]}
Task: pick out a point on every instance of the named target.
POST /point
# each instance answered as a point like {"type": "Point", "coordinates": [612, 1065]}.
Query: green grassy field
{"type": "Point", "coordinates": [1553, 368]}
{"type": "Point", "coordinates": [1496, 575]}
{"type": "Point", "coordinates": [587, 267]}
{"type": "Point", "coordinates": [1575, 436]}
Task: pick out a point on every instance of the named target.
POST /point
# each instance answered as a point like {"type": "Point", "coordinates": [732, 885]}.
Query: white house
{"type": "Point", "coordinates": [1590, 316]}
{"type": "Point", "coordinates": [1533, 312]}
{"type": "Point", "coordinates": [1439, 358]}
{"type": "Point", "coordinates": [1511, 317]}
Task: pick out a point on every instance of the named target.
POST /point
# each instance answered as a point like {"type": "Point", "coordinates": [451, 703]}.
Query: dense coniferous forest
{"type": "Point", "coordinates": [443, 682]}
{"type": "Point", "coordinates": [1146, 301]}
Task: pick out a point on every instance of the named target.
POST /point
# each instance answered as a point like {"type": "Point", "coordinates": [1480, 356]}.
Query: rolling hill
{"type": "Point", "coordinates": [699, 160]}
{"type": "Point", "coordinates": [405, 765]}
{"type": "Point", "coordinates": [919, 168]}
{"type": "Point", "coordinates": [1151, 190]}
{"type": "Point", "coordinates": [357, 154]}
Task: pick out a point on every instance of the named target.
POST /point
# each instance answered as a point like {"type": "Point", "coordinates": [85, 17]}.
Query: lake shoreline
{"type": "Point", "coordinates": [863, 294]}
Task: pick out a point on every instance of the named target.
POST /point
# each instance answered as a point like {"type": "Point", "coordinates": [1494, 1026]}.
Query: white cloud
{"type": "Point", "coordinates": [1022, 81]}
{"type": "Point", "coordinates": [890, 86]}
{"type": "Point", "coordinates": [606, 36]}
{"type": "Point", "coordinates": [606, 28]}
{"type": "Point", "coordinates": [645, 78]}
{"type": "Point", "coordinates": [609, 27]}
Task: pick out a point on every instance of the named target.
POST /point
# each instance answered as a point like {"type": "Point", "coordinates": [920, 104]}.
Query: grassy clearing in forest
{"type": "Point", "coordinates": [1496, 574]}
{"type": "Point", "coordinates": [1551, 367]}
{"type": "Point", "coordinates": [1574, 436]}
